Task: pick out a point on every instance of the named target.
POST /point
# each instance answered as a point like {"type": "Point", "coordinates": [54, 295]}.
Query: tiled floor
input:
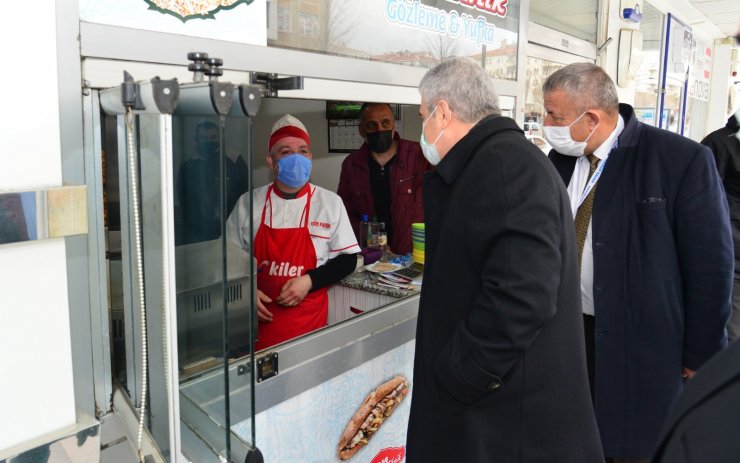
{"type": "Point", "coordinates": [115, 446]}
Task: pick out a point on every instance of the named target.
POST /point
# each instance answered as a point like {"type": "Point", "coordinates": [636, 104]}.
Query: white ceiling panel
{"type": "Point", "coordinates": [724, 14]}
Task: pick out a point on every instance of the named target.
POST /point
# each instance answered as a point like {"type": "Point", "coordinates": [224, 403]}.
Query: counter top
{"type": "Point", "coordinates": [365, 281]}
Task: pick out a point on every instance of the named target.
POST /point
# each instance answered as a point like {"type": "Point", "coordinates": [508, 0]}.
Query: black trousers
{"type": "Point", "coordinates": [589, 327]}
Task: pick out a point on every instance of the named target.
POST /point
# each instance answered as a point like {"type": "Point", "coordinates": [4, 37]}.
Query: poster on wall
{"type": "Point", "coordinates": [241, 21]}
{"type": "Point", "coordinates": [682, 48]}
{"type": "Point", "coordinates": [359, 416]}
{"type": "Point", "coordinates": [701, 68]}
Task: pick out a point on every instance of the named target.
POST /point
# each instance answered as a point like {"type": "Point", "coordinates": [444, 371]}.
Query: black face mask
{"type": "Point", "coordinates": [207, 148]}
{"type": "Point", "coordinates": [379, 142]}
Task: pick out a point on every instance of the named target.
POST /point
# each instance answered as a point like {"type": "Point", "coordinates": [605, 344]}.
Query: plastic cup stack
{"type": "Point", "coordinates": [417, 239]}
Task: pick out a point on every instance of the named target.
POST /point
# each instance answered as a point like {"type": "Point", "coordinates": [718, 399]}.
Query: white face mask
{"type": "Point", "coordinates": [562, 142]}
{"type": "Point", "coordinates": [430, 151]}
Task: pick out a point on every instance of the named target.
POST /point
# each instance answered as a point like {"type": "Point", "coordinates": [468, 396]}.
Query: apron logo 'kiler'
{"type": "Point", "coordinates": [285, 269]}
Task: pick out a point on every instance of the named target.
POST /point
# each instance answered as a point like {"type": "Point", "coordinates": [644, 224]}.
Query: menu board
{"type": "Point", "coordinates": [308, 427]}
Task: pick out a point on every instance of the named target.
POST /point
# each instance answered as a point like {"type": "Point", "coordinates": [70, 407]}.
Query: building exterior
{"type": "Point", "coordinates": [58, 328]}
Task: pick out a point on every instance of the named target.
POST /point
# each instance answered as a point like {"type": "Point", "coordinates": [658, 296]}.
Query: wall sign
{"type": "Point", "coordinates": [497, 7]}
{"type": "Point", "coordinates": [185, 10]}
{"type": "Point", "coordinates": [454, 24]}
{"type": "Point", "coordinates": [240, 21]}
{"type": "Point", "coordinates": [700, 73]}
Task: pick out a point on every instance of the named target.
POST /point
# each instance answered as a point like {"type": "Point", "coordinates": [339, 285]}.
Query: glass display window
{"type": "Point", "coordinates": [576, 18]}
{"type": "Point", "coordinates": [418, 34]}
{"type": "Point", "coordinates": [541, 63]}
{"type": "Point", "coordinates": [647, 80]}
{"type": "Point", "coordinates": [697, 103]}
{"type": "Point", "coordinates": [680, 47]}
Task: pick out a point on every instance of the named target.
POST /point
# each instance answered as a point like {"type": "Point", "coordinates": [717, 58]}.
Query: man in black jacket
{"type": "Point", "coordinates": [199, 186]}
{"type": "Point", "coordinates": [499, 367]}
{"type": "Point", "coordinates": [725, 144]}
{"type": "Point", "coordinates": [704, 425]}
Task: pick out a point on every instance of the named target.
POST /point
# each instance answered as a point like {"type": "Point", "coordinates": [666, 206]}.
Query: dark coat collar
{"type": "Point", "coordinates": [454, 162]}
{"type": "Point", "coordinates": [630, 134]}
{"type": "Point", "coordinates": [732, 123]}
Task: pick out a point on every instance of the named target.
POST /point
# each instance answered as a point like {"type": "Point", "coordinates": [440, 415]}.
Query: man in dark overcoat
{"type": "Point", "coordinates": [725, 144]}
{"type": "Point", "coordinates": [704, 424]}
{"type": "Point", "coordinates": [656, 251]}
{"type": "Point", "coordinates": [499, 368]}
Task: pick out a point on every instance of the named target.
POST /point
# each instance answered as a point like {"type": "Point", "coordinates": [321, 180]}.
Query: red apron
{"type": "Point", "coordinates": [283, 254]}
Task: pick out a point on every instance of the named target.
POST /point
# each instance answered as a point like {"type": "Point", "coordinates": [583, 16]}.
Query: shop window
{"type": "Point", "coordinates": [697, 105]}
{"type": "Point", "coordinates": [538, 71]}
{"type": "Point", "coordinates": [309, 24]}
{"type": "Point", "coordinates": [678, 51]}
{"type": "Point", "coordinates": [572, 17]}
{"type": "Point", "coordinates": [647, 79]}
{"type": "Point", "coordinates": [283, 19]}
{"type": "Point", "coordinates": [419, 34]}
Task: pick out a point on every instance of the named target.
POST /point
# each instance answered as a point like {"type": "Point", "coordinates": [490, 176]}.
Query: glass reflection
{"type": "Point", "coordinates": [17, 217]}
{"type": "Point", "coordinates": [212, 274]}
{"type": "Point", "coordinates": [647, 79]}
{"type": "Point", "coordinates": [199, 187]}
{"type": "Point", "coordinates": [672, 104]}
{"type": "Point", "coordinates": [538, 70]}
{"type": "Point", "coordinates": [697, 104]}
{"type": "Point", "coordinates": [572, 17]}
{"type": "Point", "coordinates": [419, 34]}
{"type": "Point", "coordinates": [678, 52]}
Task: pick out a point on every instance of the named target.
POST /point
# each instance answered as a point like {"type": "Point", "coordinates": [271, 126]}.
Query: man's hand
{"type": "Point", "coordinates": [687, 373]}
{"type": "Point", "coordinates": [262, 313]}
{"type": "Point", "coordinates": [294, 290]}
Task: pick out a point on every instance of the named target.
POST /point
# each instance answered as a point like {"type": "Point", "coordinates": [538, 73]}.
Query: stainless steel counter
{"type": "Point", "coordinates": [358, 293]}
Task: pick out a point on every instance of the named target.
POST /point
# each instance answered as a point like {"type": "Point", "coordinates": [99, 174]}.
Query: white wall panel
{"type": "Point", "coordinates": [36, 393]}
{"type": "Point", "coordinates": [29, 147]}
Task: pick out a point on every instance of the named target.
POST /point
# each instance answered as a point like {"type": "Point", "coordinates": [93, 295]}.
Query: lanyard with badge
{"type": "Point", "coordinates": [595, 177]}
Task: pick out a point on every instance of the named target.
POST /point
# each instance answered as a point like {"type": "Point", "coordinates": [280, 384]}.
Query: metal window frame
{"type": "Point", "coordinates": [664, 74]}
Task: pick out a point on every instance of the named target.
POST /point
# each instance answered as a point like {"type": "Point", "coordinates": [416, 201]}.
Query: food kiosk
{"type": "Point", "coordinates": [188, 304]}
{"type": "Point", "coordinates": [182, 346]}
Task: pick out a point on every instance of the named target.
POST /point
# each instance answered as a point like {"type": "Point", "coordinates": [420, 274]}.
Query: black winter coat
{"type": "Point", "coordinates": [499, 369]}
{"type": "Point", "coordinates": [726, 148]}
{"type": "Point", "coordinates": [704, 425]}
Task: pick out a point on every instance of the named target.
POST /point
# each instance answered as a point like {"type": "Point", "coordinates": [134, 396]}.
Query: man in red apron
{"type": "Point", "coordinates": [303, 239]}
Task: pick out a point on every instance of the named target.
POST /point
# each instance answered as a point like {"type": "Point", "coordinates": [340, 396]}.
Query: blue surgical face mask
{"type": "Point", "coordinates": [294, 170]}
{"type": "Point", "coordinates": [430, 151]}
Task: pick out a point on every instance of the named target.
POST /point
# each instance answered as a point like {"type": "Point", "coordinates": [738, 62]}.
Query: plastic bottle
{"type": "Point", "coordinates": [363, 230]}
{"type": "Point", "coordinates": [372, 233]}
{"type": "Point", "coordinates": [383, 242]}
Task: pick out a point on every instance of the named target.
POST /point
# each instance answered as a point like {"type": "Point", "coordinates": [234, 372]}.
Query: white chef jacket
{"type": "Point", "coordinates": [328, 223]}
